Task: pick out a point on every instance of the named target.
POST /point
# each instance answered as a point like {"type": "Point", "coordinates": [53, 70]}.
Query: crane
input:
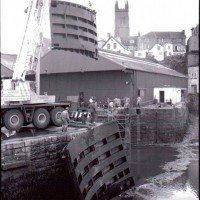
{"type": "Point", "coordinates": [21, 102]}
{"type": "Point", "coordinates": [18, 89]}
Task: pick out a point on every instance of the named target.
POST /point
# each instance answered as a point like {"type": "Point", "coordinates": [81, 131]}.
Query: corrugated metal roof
{"type": "Point", "coordinates": [140, 65]}
{"type": "Point", "coordinates": [59, 61]}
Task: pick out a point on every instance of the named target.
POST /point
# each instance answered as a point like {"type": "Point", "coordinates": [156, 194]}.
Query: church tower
{"type": "Point", "coordinates": [121, 20]}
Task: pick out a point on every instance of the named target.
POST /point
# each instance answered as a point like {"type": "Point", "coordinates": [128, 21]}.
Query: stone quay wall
{"type": "Point", "coordinates": [158, 125]}
{"type": "Point", "coordinates": [33, 168]}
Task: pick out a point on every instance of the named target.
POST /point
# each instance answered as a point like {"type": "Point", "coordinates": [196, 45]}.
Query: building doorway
{"type": "Point", "coordinates": [141, 93]}
{"type": "Point", "coordinates": [193, 89]}
{"type": "Point", "coordinates": [162, 96]}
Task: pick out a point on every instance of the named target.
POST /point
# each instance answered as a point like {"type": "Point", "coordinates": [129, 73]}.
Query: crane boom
{"type": "Point", "coordinates": [18, 89]}
{"type": "Point", "coordinates": [29, 55]}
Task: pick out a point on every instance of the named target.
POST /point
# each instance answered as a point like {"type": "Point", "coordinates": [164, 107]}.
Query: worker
{"type": "Point", "coordinates": [65, 119]}
{"type": "Point", "coordinates": [92, 110]}
{"type": "Point", "coordinates": [138, 103]}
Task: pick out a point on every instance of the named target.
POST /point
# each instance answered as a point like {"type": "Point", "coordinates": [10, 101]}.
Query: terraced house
{"type": "Point", "coordinates": [161, 44]}
{"type": "Point", "coordinates": [193, 61]}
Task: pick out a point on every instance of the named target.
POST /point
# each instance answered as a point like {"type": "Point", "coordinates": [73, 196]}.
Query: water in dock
{"type": "Point", "coordinates": [167, 171]}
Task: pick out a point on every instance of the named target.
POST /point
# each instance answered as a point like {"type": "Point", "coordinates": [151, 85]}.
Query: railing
{"type": "Point", "coordinates": [145, 103]}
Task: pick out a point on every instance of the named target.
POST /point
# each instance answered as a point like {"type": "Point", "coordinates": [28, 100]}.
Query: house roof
{"type": "Point", "coordinates": [127, 40]}
{"type": "Point", "coordinates": [8, 60]}
{"type": "Point", "coordinates": [59, 61]}
{"type": "Point", "coordinates": [5, 72]}
{"type": "Point", "coordinates": [111, 37]}
{"type": "Point", "coordinates": [171, 35]}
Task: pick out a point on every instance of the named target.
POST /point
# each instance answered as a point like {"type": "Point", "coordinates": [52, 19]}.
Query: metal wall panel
{"type": "Point", "coordinates": [98, 163]}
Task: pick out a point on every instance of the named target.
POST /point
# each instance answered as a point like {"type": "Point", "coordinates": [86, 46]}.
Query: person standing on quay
{"type": "Point", "coordinates": [138, 101]}
{"type": "Point", "coordinates": [65, 119]}
{"type": "Point", "coordinates": [92, 110]}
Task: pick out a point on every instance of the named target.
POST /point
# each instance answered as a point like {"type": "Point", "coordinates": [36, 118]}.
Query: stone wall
{"type": "Point", "coordinates": [193, 103]}
{"type": "Point", "coordinates": [33, 168]}
{"type": "Point", "coordinates": [161, 125]}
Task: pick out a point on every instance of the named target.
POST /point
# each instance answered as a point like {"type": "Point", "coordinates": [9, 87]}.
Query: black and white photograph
{"type": "Point", "coordinates": [99, 100]}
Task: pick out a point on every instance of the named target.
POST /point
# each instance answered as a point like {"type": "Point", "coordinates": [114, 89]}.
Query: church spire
{"type": "Point", "coordinates": [116, 5]}
{"type": "Point", "coordinates": [126, 6]}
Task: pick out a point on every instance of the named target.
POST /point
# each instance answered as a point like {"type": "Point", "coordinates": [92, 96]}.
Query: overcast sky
{"type": "Point", "coordinates": [144, 16]}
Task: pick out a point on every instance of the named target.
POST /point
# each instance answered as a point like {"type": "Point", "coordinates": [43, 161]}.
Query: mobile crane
{"type": "Point", "coordinates": [21, 102]}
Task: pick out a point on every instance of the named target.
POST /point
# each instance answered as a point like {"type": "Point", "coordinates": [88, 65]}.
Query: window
{"type": "Point", "coordinates": [193, 89]}
{"type": "Point", "coordinates": [132, 41]}
{"type": "Point", "coordinates": [108, 46]}
{"type": "Point", "coordinates": [72, 36]}
{"type": "Point", "coordinates": [194, 75]}
{"type": "Point", "coordinates": [158, 48]}
{"type": "Point", "coordinates": [59, 35]}
{"type": "Point", "coordinates": [141, 93]}
{"type": "Point", "coordinates": [71, 17]}
{"type": "Point", "coordinates": [115, 45]}
{"type": "Point", "coordinates": [58, 25]}
{"type": "Point", "coordinates": [58, 16]}
{"type": "Point", "coordinates": [122, 20]}
{"type": "Point", "coordinates": [168, 47]}
{"type": "Point", "coordinates": [83, 29]}
{"type": "Point", "coordinates": [83, 38]}
{"type": "Point", "coordinates": [69, 26]}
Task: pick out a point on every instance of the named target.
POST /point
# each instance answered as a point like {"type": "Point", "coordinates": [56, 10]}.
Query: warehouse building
{"type": "Point", "coordinates": [113, 75]}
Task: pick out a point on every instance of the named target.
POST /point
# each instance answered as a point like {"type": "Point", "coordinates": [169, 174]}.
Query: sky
{"type": "Point", "coordinates": [144, 16]}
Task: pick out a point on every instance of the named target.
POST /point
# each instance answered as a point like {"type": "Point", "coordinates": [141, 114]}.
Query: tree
{"type": "Point", "coordinates": [176, 62]}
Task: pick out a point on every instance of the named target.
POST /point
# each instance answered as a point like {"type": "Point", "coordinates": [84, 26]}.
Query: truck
{"type": "Point", "coordinates": [21, 102]}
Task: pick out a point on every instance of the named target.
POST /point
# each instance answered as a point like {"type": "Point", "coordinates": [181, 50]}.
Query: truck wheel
{"type": "Point", "coordinates": [41, 118]}
{"type": "Point", "coordinates": [13, 120]}
{"type": "Point", "coordinates": [56, 116]}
